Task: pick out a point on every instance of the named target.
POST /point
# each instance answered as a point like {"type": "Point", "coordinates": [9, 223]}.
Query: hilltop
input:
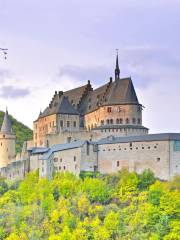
{"type": "Point", "coordinates": [22, 132]}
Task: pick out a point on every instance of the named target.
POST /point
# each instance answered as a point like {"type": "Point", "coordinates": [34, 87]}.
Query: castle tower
{"type": "Point", "coordinates": [7, 142]}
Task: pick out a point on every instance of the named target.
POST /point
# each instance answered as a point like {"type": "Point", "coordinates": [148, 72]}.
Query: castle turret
{"type": "Point", "coordinates": [7, 142]}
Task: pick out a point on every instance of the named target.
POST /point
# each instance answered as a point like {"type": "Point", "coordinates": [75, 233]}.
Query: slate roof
{"type": "Point", "coordinates": [122, 92]}
{"type": "Point", "coordinates": [61, 147]}
{"type": "Point", "coordinates": [76, 95]}
{"type": "Point", "coordinates": [84, 99]}
{"type": "Point", "coordinates": [36, 150]}
{"type": "Point", "coordinates": [6, 125]}
{"type": "Point", "coordinates": [141, 138]}
{"type": "Point", "coordinates": [115, 126]}
{"type": "Point", "coordinates": [59, 105]}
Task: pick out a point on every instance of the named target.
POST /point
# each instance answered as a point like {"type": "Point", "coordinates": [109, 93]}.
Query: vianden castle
{"type": "Point", "coordinates": [86, 129]}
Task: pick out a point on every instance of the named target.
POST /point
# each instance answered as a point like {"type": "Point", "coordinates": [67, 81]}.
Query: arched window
{"type": "Point", "coordinates": [120, 120]}
{"type": "Point", "coordinates": [111, 121]}
{"type": "Point", "coordinates": [127, 120]}
{"type": "Point", "coordinates": [134, 120]}
{"type": "Point", "coordinates": [117, 121]}
{"type": "Point", "coordinates": [102, 122]}
{"type": "Point", "coordinates": [107, 121]}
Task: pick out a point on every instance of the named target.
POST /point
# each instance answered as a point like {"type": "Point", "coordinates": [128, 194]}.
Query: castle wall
{"type": "Point", "coordinates": [135, 156]}
{"type": "Point", "coordinates": [174, 168]}
{"type": "Point", "coordinates": [68, 160]}
{"type": "Point", "coordinates": [42, 127]}
{"type": "Point", "coordinates": [14, 171]}
{"type": "Point", "coordinates": [7, 149]}
{"type": "Point", "coordinates": [89, 157]}
{"type": "Point", "coordinates": [115, 114]}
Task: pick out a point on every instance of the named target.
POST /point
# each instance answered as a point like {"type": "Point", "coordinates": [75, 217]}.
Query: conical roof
{"type": "Point", "coordinates": [6, 125]}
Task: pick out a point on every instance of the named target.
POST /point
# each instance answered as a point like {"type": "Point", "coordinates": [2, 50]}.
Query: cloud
{"type": "Point", "coordinates": [97, 74]}
{"type": "Point", "coordinates": [13, 92]}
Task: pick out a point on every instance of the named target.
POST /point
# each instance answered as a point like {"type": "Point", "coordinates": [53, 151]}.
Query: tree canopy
{"type": "Point", "coordinates": [102, 207]}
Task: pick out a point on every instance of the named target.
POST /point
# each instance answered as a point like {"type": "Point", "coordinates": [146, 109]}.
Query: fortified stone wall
{"type": "Point", "coordinates": [135, 156]}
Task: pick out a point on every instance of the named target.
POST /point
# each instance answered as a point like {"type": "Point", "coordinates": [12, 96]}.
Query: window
{"type": "Point", "coordinates": [64, 167]}
{"type": "Point", "coordinates": [117, 163]}
{"type": "Point", "coordinates": [74, 158]}
{"type": "Point", "coordinates": [127, 120]}
{"type": "Point", "coordinates": [55, 159]}
{"type": "Point", "coordinates": [60, 168]}
{"type": "Point", "coordinates": [102, 122]}
{"type": "Point", "coordinates": [61, 123]}
{"type": "Point", "coordinates": [111, 121]}
{"type": "Point", "coordinates": [107, 121]}
{"type": "Point", "coordinates": [109, 109]}
{"type": "Point", "coordinates": [134, 120]}
{"type": "Point", "coordinates": [120, 121]}
{"type": "Point", "coordinates": [139, 121]}
{"type": "Point", "coordinates": [158, 159]}
{"type": "Point", "coordinates": [60, 159]}
{"type": "Point", "coordinates": [130, 144]}
{"type": "Point", "coordinates": [68, 124]}
{"type": "Point", "coordinates": [117, 121]}
{"type": "Point", "coordinates": [74, 124]}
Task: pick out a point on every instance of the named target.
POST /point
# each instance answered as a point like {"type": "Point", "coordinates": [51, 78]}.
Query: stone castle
{"type": "Point", "coordinates": [86, 129]}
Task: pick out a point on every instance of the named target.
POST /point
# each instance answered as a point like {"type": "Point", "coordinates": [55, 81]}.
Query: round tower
{"type": "Point", "coordinates": [7, 142]}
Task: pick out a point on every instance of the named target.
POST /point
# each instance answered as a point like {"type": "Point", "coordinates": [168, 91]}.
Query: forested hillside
{"type": "Point", "coordinates": [22, 132]}
{"type": "Point", "coordinates": [123, 206]}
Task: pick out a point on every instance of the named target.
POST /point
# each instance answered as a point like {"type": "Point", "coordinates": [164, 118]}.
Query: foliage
{"type": "Point", "coordinates": [117, 206]}
{"type": "Point", "coordinates": [23, 133]}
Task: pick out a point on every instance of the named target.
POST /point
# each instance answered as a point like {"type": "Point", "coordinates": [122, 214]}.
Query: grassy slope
{"type": "Point", "coordinates": [22, 132]}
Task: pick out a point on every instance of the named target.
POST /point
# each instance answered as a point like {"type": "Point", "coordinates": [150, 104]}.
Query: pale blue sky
{"type": "Point", "coordinates": [56, 45]}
